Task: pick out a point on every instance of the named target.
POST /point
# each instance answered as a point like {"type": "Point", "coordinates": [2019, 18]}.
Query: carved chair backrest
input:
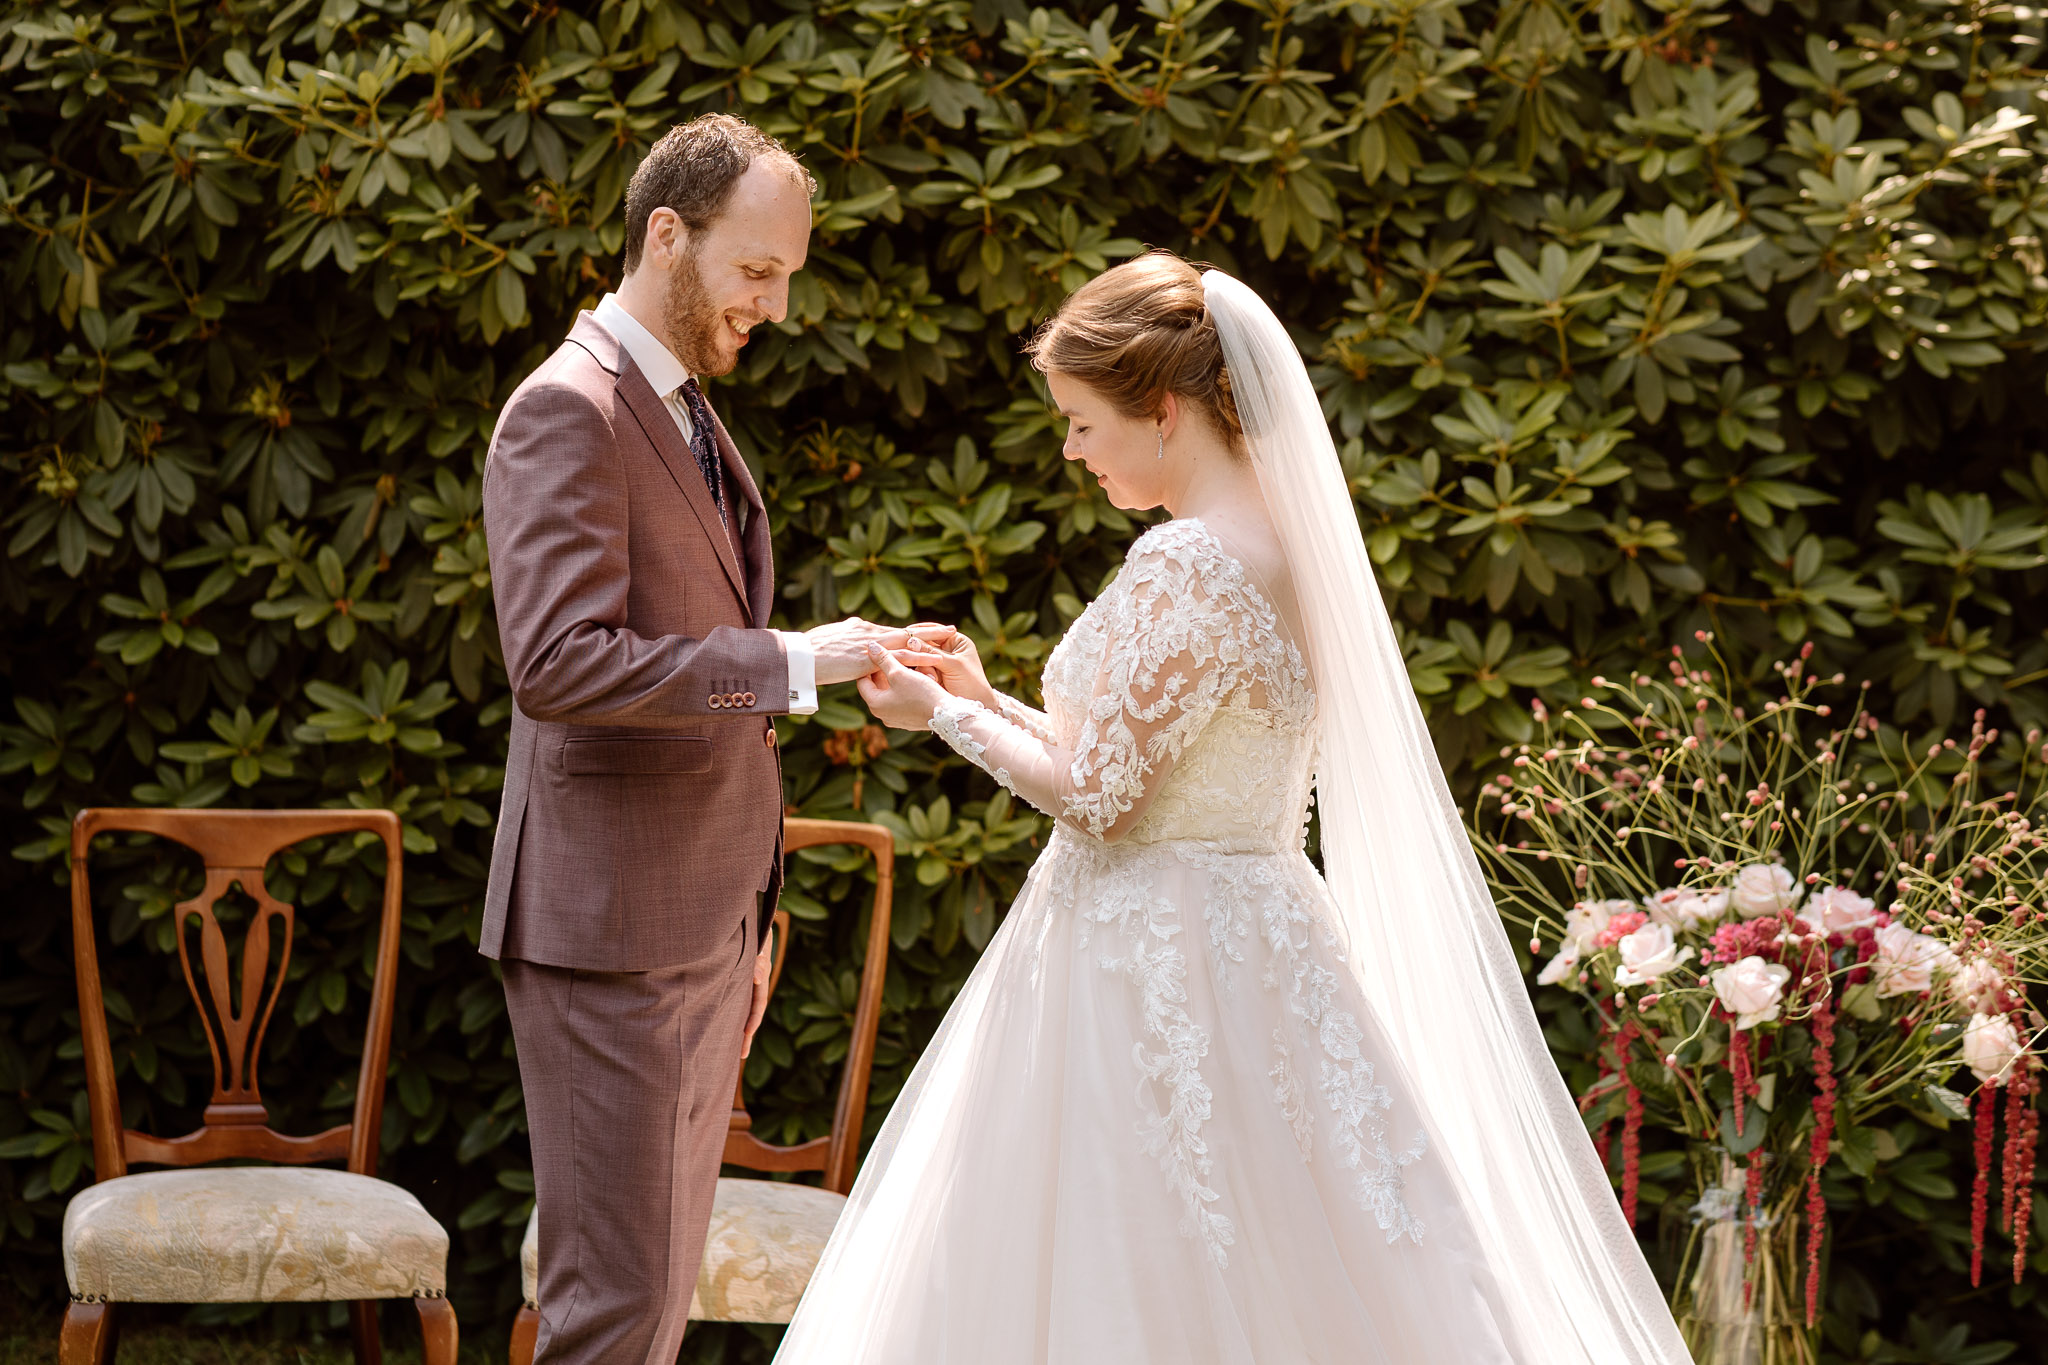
{"type": "Point", "coordinates": [235, 846]}
{"type": "Point", "coordinates": [836, 1154]}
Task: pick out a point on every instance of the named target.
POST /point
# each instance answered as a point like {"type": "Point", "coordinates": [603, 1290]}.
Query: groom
{"type": "Point", "coordinates": [638, 853]}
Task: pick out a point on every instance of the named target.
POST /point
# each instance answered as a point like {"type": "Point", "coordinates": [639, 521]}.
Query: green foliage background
{"type": "Point", "coordinates": [1634, 317]}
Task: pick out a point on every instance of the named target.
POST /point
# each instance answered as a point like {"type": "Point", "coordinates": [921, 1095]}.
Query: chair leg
{"type": "Point", "coordinates": [437, 1332]}
{"type": "Point", "coordinates": [88, 1335]}
{"type": "Point", "coordinates": [362, 1329]}
{"type": "Point", "coordinates": [525, 1335]}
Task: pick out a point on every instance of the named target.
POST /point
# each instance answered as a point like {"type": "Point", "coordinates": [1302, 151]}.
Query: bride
{"type": "Point", "coordinates": [1196, 1103]}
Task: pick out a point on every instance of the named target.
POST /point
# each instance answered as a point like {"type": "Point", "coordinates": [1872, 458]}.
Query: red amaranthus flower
{"type": "Point", "coordinates": [2009, 1158]}
{"type": "Point", "coordinates": [1753, 1207]}
{"type": "Point", "coordinates": [1631, 1124]}
{"type": "Point", "coordinates": [1817, 1151]}
{"type": "Point", "coordinates": [1749, 938]}
{"type": "Point", "coordinates": [2022, 1133]}
{"type": "Point", "coordinates": [1980, 1190]}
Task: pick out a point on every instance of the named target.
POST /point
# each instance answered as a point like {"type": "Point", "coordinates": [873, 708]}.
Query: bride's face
{"type": "Point", "coordinates": [1121, 452]}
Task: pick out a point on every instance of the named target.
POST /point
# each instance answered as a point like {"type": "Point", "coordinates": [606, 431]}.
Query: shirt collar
{"type": "Point", "coordinates": [655, 360]}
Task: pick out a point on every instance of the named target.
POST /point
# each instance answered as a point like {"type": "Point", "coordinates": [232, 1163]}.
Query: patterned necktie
{"type": "Point", "coordinates": [703, 446]}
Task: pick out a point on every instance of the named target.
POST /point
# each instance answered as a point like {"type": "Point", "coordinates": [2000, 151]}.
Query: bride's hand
{"type": "Point", "coordinates": [955, 663]}
{"type": "Point", "coordinates": [902, 698]}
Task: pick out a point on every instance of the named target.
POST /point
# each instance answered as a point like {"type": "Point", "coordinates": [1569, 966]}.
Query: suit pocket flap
{"type": "Point", "coordinates": [637, 754]}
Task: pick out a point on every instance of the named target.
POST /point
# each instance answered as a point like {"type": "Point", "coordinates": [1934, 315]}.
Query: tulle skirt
{"type": "Point", "coordinates": [1159, 1124]}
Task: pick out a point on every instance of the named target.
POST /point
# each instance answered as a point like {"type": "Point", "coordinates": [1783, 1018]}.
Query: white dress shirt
{"type": "Point", "coordinates": [666, 374]}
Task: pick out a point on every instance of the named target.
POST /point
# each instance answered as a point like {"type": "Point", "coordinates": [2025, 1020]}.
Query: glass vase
{"type": "Point", "coordinates": [1738, 1311]}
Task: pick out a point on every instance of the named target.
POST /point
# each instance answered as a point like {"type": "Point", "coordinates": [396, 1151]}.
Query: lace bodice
{"type": "Point", "coordinates": [1176, 709]}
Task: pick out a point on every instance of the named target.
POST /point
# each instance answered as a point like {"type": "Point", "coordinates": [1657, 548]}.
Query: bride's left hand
{"type": "Point", "coordinates": [900, 697]}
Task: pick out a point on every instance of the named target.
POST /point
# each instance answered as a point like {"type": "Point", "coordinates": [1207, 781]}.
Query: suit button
{"type": "Point", "coordinates": [715, 701]}
{"type": "Point", "coordinates": [770, 736]}
{"type": "Point", "coordinates": [746, 698]}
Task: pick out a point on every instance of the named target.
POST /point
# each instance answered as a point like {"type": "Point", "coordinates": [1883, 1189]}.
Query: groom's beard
{"type": "Point", "coordinates": [693, 322]}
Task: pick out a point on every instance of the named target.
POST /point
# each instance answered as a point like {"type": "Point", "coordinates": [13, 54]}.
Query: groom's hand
{"type": "Point", "coordinates": [764, 964]}
{"type": "Point", "coordinates": [841, 649]}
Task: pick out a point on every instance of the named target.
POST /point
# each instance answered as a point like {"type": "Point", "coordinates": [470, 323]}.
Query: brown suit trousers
{"type": "Point", "coordinates": [629, 1081]}
{"type": "Point", "coordinates": [639, 841]}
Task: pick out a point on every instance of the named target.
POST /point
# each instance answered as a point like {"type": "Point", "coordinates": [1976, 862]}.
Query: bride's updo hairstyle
{"type": "Point", "coordinates": [1140, 331]}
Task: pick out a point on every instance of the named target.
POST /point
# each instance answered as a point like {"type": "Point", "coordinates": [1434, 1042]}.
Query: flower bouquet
{"type": "Point", "coordinates": [1789, 922]}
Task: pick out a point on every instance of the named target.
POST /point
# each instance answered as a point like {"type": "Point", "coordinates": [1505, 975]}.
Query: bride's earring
{"type": "Point", "coordinates": [1162, 445]}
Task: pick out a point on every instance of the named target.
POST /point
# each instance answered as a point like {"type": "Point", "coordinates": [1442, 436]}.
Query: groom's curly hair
{"type": "Point", "coordinates": [693, 170]}
{"type": "Point", "coordinates": [1137, 332]}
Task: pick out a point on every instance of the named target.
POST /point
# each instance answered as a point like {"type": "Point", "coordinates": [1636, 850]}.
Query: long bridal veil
{"type": "Point", "coordinates": [1422, 933]}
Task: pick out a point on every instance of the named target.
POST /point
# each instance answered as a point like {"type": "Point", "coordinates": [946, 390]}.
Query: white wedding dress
{"type": "Point", "coordinates": [1161, 1123]}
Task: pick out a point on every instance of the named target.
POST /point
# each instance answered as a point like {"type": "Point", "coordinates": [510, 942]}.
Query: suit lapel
{"type": "Point", "coordinates": [755, 539]}
{"type": "Point", "coordinates": [660, 426]}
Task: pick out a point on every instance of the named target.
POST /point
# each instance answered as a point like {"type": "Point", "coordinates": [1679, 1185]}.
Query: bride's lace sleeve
{"type": "Point", "coordinates": [1036, 723]}
{"type": "Point", "coordinates": [1176, 653]}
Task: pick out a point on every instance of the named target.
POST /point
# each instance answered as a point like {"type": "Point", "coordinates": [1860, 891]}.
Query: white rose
{"type": "Point", "coordinates": [1906, 962]}
{"type": "Point", "coordinates": [1584, 921]}
{"type": "Point", "coordinates": [1764, 889]}
{"type": "Point", "coordinates": [1687, 907]}
{"type": "Point", "coordinates": [1990, 1046]}
{"type": "Point", "coordinates": [1561, 966]}
{"type": "Point", "coordinates": [1976, 985]}
{"type": "Point", "coordinates": [1647, 954]}
{"type": "Point", "coordinates": [1838, 910]}
{"type": "Point", "coordinates": [1751, 990]}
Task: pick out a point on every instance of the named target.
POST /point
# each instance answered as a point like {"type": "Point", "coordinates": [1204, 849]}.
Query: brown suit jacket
{"type": "Point", "coordinates": [639, 819]}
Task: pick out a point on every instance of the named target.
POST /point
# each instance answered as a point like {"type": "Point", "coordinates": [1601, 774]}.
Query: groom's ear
{"type": "Point", "coordinates": [667, 237]}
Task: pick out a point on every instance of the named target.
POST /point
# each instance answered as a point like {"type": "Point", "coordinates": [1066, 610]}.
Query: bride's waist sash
{"type": "Point", "coordinates": [1194, 850]}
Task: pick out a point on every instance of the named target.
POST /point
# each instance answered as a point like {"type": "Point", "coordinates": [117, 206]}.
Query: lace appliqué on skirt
{"type": "Point", "coordinates": [1319, 1067]}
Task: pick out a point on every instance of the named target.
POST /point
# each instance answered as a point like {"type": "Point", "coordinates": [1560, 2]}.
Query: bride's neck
{"type": "Point", "coordinates": [1215, 480]}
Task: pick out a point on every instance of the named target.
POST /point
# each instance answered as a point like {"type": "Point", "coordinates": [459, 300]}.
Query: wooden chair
{"type": "Point", "coordinates": [766, 1235]}
{"type": "Point", "coordinates": [286, 1231]}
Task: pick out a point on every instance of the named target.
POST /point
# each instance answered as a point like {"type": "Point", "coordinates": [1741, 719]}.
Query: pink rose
{"type": "Point", "coordinates": [1584, 921]}
{"type": "Point", "coordinates": [1558, 968]}
{"type": "Point", "coordinates": [1906, 962]}
{"type": "Point", "coordinates": [1647, 953]}
{"type": "Point", "coordinates": [1751, 990]}
{"type": "Point", "coordinates": [1838, 910]}
{"type": "Point", "coordinates": [1976, 985]}
{"type": "Point", "coordinates": [1990, 1046]}
{"type": "Point", "coordinates": [1688, 907]}
{"type": "Point", "coordinates": [1764, 889]}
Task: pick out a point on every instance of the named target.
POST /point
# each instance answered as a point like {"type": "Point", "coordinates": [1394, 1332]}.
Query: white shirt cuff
{"type": "Point", "coordinates": [803, 673]}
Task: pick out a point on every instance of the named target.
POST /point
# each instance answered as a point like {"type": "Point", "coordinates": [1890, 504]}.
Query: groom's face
{"type": "Point", "coordinates": [733, 274]}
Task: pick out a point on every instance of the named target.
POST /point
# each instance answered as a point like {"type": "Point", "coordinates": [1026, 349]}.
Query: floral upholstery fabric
{"type": "Point", "coordinates": [251, 1234]}
{"type": "Point", "coordinates": [765, 1239]}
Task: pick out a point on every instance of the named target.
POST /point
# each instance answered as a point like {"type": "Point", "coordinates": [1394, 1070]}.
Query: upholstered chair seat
{"type": "Point", "coordinates": [765, 1240]}
{"type": "Point", "coordinates": [251, 1234]}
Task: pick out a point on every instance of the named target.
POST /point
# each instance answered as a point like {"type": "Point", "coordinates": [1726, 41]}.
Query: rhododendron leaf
{"type": "Point", "coordinates": [1755, 1121]}
{"type": "Point", "coordinates": [1859, 1150]}
{"type": "Point", "coordinates": [1943, 1100]}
